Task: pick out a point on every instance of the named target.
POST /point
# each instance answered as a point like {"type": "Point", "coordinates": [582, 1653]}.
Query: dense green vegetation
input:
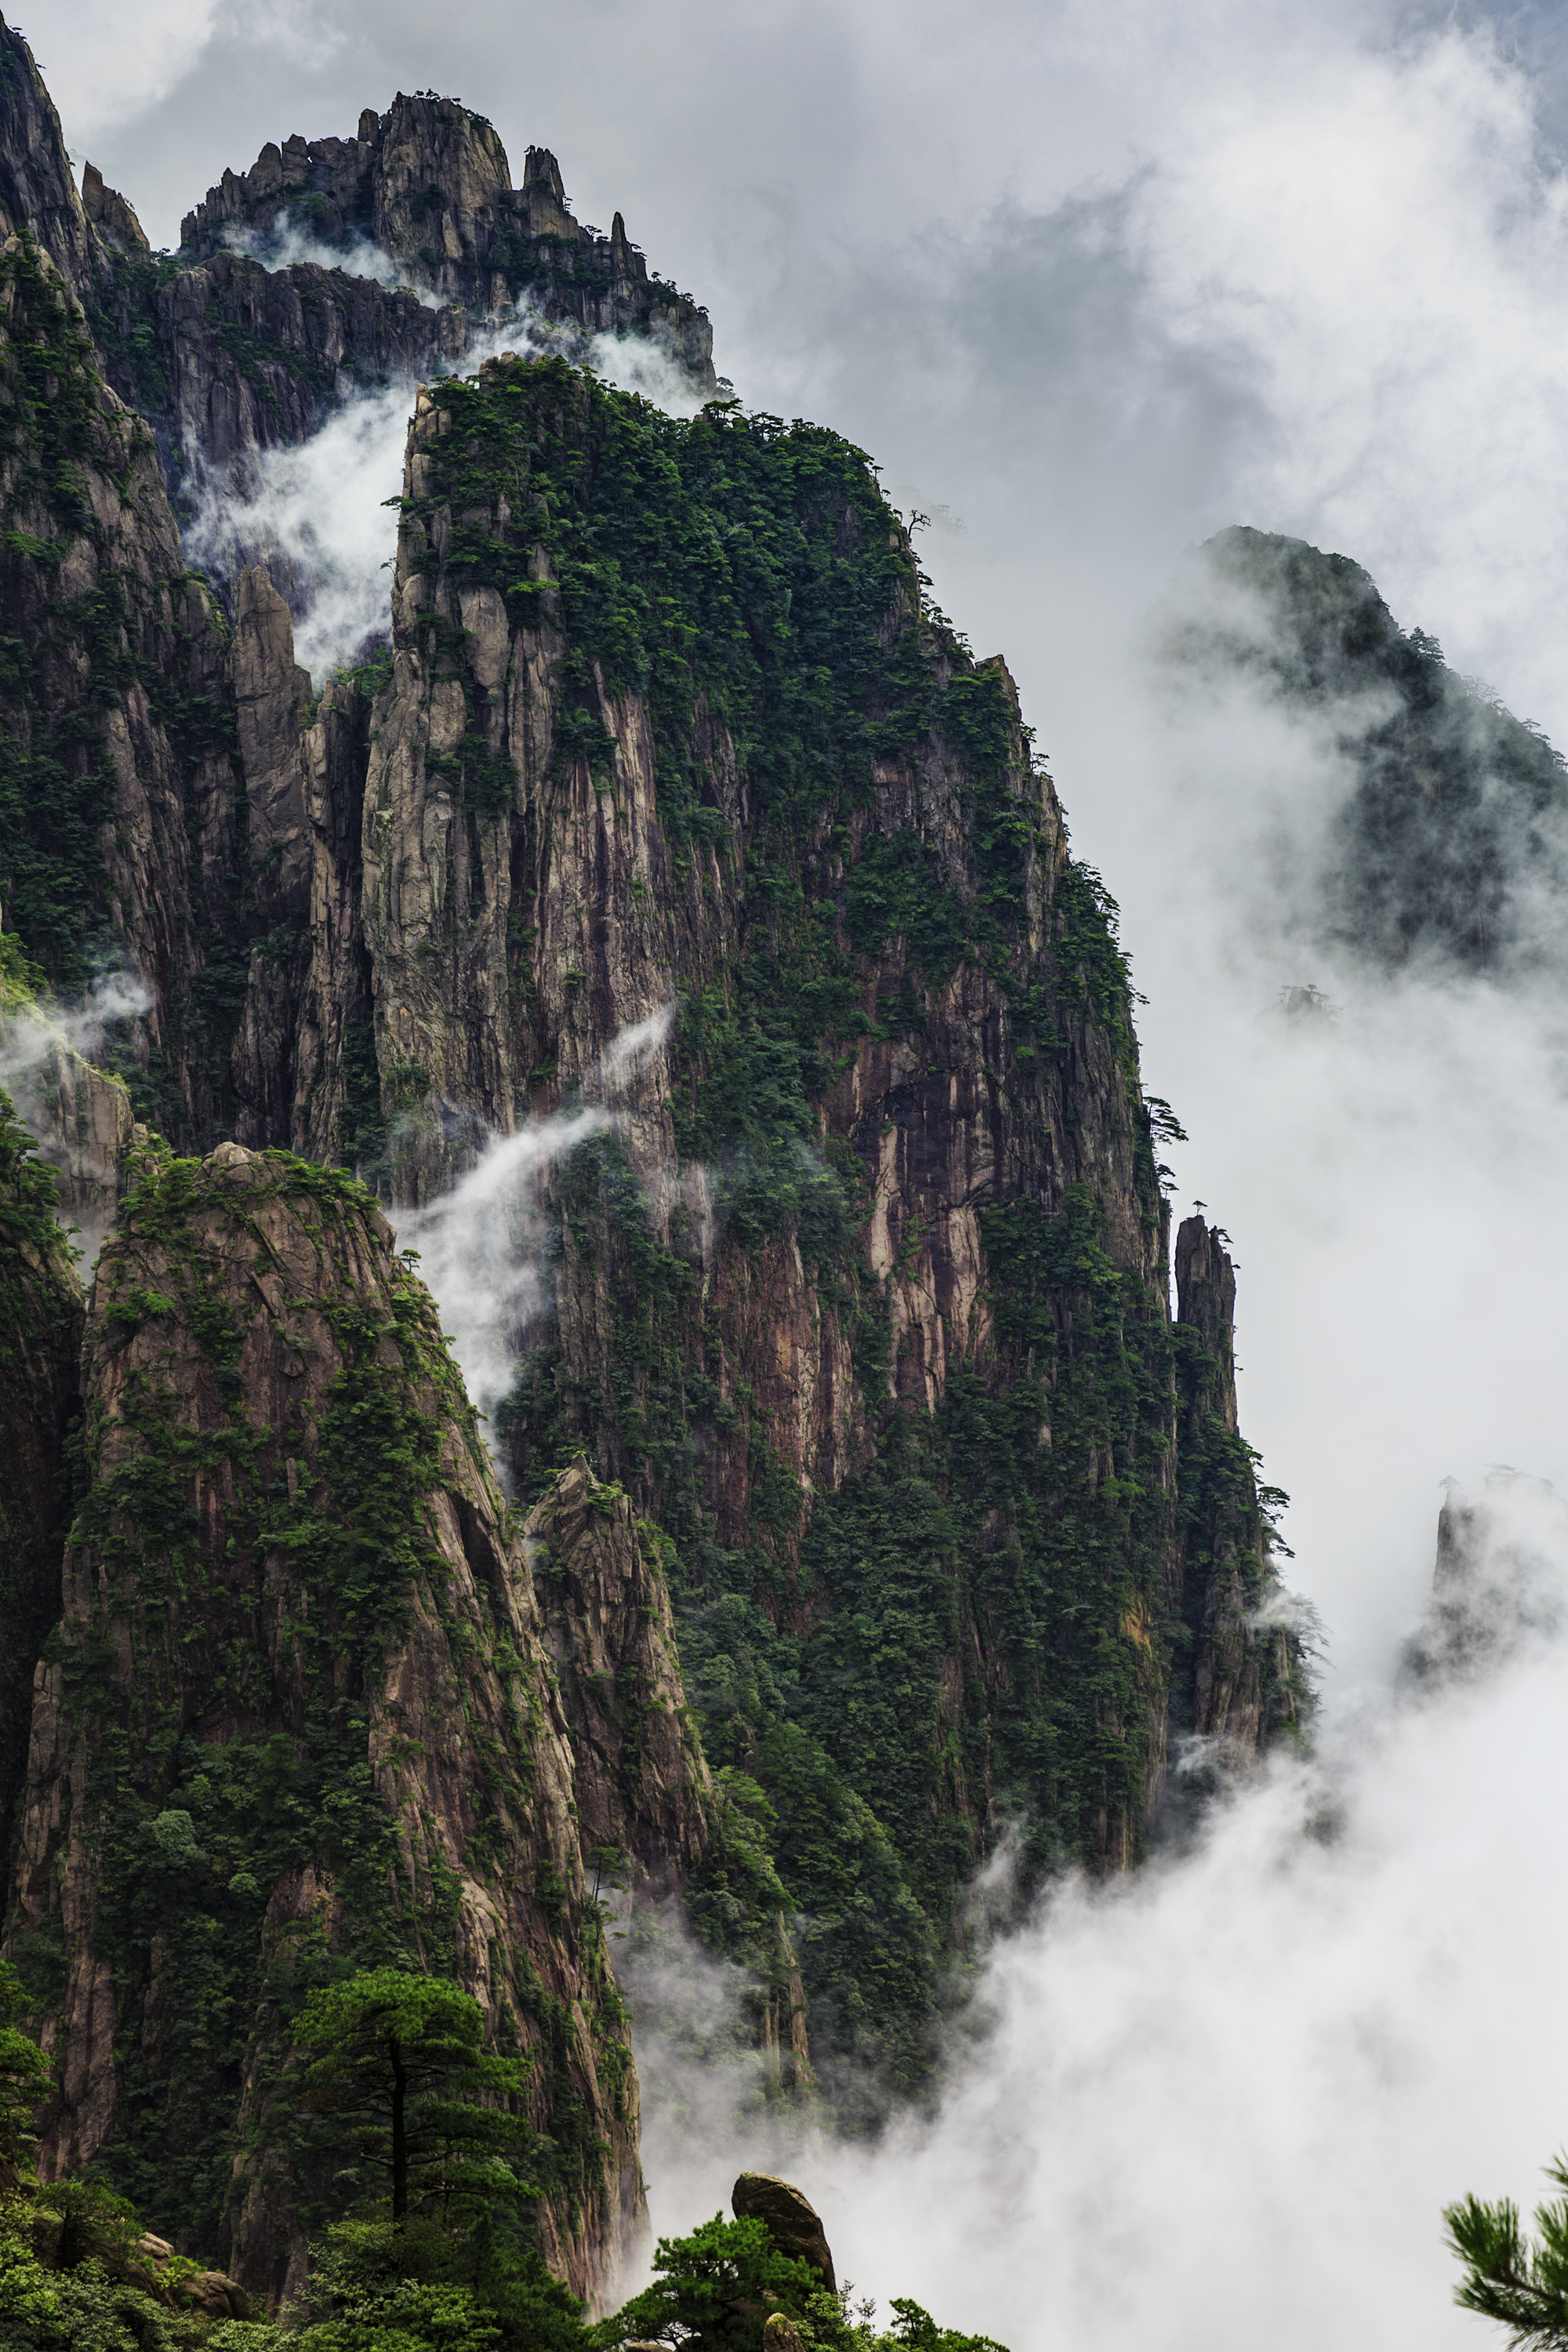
{"type": "Point", "coordinates": [450, 2273]}
{"type": "Point", "coordinates": [983, 1621]}
{"type": "Point", "coordinates": [55, 774]}
{"type": "Point", "coordinates": [399, 2058]}
{"type": "Point", "coordinates": [714, 2288]}
{"type": "Point", "coordinates": [198, 1831]}
{"type": "Point", "coordinates": [40, 1338]}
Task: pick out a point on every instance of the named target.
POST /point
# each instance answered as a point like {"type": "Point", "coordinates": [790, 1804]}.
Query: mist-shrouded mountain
{"type": "Point", "coordinates": [867, 1512]}
{"type": "Point", "coordinates": [1445, 841]}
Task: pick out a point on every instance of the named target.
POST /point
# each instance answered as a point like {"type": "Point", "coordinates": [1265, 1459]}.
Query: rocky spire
{"type": "Point", "coordinates": [37, 193]}
{"type": "Point", "coordinates": [110, 213]}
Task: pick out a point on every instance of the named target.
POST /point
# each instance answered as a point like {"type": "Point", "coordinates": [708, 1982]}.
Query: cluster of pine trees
{"type": "Point", "coordinates": [434, 2253]}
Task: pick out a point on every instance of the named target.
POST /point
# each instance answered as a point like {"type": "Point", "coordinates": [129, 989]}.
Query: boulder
{"type": "Point", "coordinates": [792, 2219]}
{"type": "Point", "coordinates": [216, 2296]}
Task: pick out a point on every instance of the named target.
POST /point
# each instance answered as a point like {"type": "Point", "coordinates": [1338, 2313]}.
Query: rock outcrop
{"type": "Point", "coordinates": [38, 196]}
{"type": "Point", "coordinates": [862, 1295]}
{"type": "Point", "coordinates": [428, 185]}
{"type": "Point", "coordinates": [792, 2221]}
{"type": "Point", "coordinates": [1243, 1686]}
{"type": "Point", "coordinates": [673, 803]}
{"type": "Point", "coordinates": [110, 215]}
{"type": "Point", "coordinates": [118, 790]}
{"type": "Point", "coordinates": [1497, 1585]}
{"type": "Point", "coordinates": [228, 356]}
{"type": "Point", "coordinates": [84, 1123]}
{"type": "Point", "coordinates": [40, 1338]}
{"type": "Point", "coordinates": [297, 1704]}
{"type": "Point", "coordinates": [643, 1790]}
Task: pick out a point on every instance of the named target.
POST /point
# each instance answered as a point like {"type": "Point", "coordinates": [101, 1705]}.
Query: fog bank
{"type": "Point", "coordinates": [1224, 2102]}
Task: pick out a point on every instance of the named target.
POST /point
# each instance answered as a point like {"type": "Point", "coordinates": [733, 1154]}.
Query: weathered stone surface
{"type": "Point", "coordinates": [239, 1313]}
{"type": "Point", "coordinates": [254, 358]}
{"type": "Point", "coordinates": [780, 2334]}
{"type": "Point", "coordinates": [110, 213]}
{"type": "Point", "coordinates": [514, 936]}
{"type": "Point", "coordinates": [37, 193]}
{"type": "Point", "coordinates": [272, 696]}
{"type": "Point", "coordinates": [84, 1123]}
{"type": "Point", "coordinates": [429, 183]}
{"type": "Point", "coordinates": [642, 1784]}
{"type": "Point", "coordinates": [214, 2295]}
{"type": "Point", "coordinates": [643, 1792]}
{"type": "Point", "coordinates": [581, 877]}
{"type": "Point", "coordinates": [104, 539]}
{"type": "Point", "coordinates": [40, 1337]}
{"type": "Point", "coordinates": [792, 2220]}
{"type": "Point", "coordinates": [1241, 1687]}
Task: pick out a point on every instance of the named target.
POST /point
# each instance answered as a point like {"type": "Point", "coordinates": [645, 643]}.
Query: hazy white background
{"type": "Point", "coordinates": [1091, 283]}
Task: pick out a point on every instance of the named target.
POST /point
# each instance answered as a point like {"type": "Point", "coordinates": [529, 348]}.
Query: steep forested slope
{"type": "Point", "coordinates": [867, 1302]}
{"type": "Point", "coordinates": [296, 1713]}
{"type": "Point", "coordinates": [1449, 839]}
{"type": "Point", "coordinates": [877, 1508]}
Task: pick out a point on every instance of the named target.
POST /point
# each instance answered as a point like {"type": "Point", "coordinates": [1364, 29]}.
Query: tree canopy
{"type": "Point", "coordinates": [1519, 2281]}
{"type": "Point", "coordinates": [402, 2061]}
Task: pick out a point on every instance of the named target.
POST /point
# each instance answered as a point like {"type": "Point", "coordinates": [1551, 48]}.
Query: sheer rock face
{"type": "Point", "coordinates": [651, 1820]}
{"type": "Point", "coordinates": [1241, 1686]}
{"type": "Point", "coordinates": [106, 545]}
{"type": "Point", "coordinates": [525, 904]}
{"type": "Point", "coordinates": [83, 1122]}
{"type": "Point", "coordinates": [293, 1570]}
{"type": "Point", "coordinates": [532, 932]}
{"type": "Point", "coordinates": [110, 213]}
{"type": "Point", "coordinates": [642, 1785]}
{"type": "Point", "coordinates": [306, 994]}
{"type": "Point", "coordinates": [38, 194]}
{"type": "Point", "coordinates": [429, 183]}
{"type": "Point", "coordinates": [40, 1337]}
{"type": "Point", "coordinates": [272, 693]}
{"type": "Point", "coordinates": [253, 358]}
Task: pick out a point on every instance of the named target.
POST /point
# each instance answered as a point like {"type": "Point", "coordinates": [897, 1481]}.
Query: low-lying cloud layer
{"type": "Point", "coordinates": [286, 243]}
{"type": "Point", "coordinates": [319, 515]}
{"type": "Point", "coordinates": [1225, 2101]}
{"type": "Point", "coordinates": [481, 1243]}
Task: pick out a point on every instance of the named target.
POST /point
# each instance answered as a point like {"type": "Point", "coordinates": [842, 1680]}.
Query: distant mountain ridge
{"type": "Point", "coordinates": [1451, 845]}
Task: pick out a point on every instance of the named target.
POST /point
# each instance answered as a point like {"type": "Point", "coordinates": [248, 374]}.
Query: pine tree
{"type": "Point", "coordinates": [402, 2061]}
{"type": "Point", "coordinates": [1520, 2282]}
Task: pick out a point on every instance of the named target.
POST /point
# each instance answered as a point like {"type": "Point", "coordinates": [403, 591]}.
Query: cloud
{"type": "Point", "coordinates": [1225, 2101]}
{"type": "Point", "coordinates": [109, 61]}
{"type": "Point", "coordinates": [29, 1039]}
{"type": "Point", "coordinates": [1103, 283]}
{"type": "Point", "coordinates": [286, 244]}
{"type": "Point", "coordinates": [481, 1243]}
{"type": "Point", "coordinates": [482, 1247]}
{"type": "Point", "coordinates": [317, 514]}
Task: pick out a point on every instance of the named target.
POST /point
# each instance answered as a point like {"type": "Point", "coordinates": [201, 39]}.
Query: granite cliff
{"type": "Point", "coordinates": [297, 1709]}
{"type": "Point", "coordinates": [878, 1510]}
